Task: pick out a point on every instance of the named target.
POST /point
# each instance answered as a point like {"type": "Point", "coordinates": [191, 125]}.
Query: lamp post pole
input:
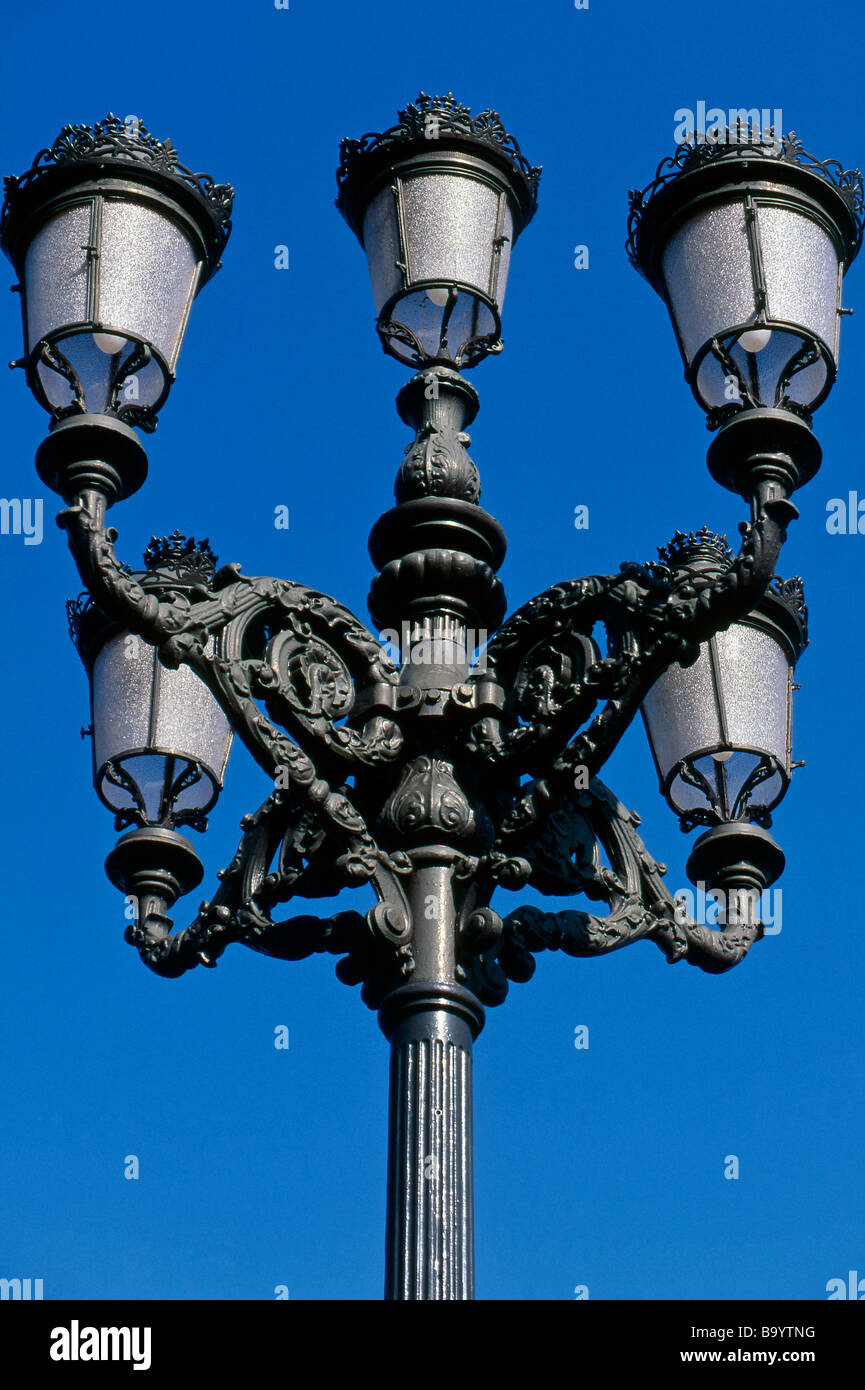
{"type": "Point", "coordinates": [470, 763]}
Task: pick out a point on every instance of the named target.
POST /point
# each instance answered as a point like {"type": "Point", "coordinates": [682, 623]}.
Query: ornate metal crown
{"type": "Point", "coordinates": [430, 118]}
{"type": "Point", "coordinates": [737, 142]}
{"type": "Point", "coordinates": [688, 546]}
{"type": "Point", "coordinates": [184, 557]}
{"type": "Point", "coordinates": [113, 141]}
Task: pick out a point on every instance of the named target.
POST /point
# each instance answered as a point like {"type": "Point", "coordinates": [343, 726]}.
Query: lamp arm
{"type": "Point", "coordinates": [203, 942]}
{"type": "Point", "coordinates": [652, 615]}
{"type": "Point", "coordinates": [565, 859]}
{"type": "Point", "coordinates": [307, 671]}
{"type": "Point", "coordinates": [337, 654]}
{"type": "Point", "coordinates": [529, 930]}
{"type": "Point", "coordinates": [545, 653]}
{"type": "Point", "coordinates": [286, 850]}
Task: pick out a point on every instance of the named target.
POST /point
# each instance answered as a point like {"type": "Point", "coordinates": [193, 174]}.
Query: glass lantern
{"type": "Point", "coordinates": [437, 202]}
{"type": "Point", "coordinates": [160, 739]}
{"type": "Point", "coordinates": [720, 730]}
{"type": "Point", "coordinates": [111, 238]}
{"type": "Point", "coordinates": [748, 243]}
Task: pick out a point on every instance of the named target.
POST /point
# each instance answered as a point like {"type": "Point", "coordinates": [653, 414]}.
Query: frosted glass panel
{"type": "Point", "coordinates": [95, 368]}
{"type": "Point", "coordinates": [197, 795]}
{"type": "Point", "coordinates": [755, 675]}
{"type": "Point", "coordinates": [680, 712]}
{"type": "Point", "coordinates": [57, 389]}
{"type": "Point", "coordinates": [801, 269]}
{"type": "Point", "coordinates": [707, 270]}
{"type": "Point", "coordinates": [450, 226]}
{"type": "Point", "coordinates": [122, 686]}
{"type": "Point", "coordinates": [55, 274]}
{"type": "Point", "coordinates": [147, 271]}
{"type": "Point", "coordinates": [381, 243]}
{"type": "Point", "coordinates": [771, 362]}
{"type": "Point", "coordinates": [190, 721]}
{"type": "Point", "coordinates": [505, 258]}
{"type": "Point", "coordinates": [807, 385]}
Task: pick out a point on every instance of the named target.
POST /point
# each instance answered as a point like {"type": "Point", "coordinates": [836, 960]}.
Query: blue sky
{"type": "Point", "coordinates": [261, 1167]}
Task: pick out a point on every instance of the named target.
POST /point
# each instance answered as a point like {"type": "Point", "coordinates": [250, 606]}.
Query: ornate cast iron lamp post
{"type": "Point", "coordinates": [438, 779]}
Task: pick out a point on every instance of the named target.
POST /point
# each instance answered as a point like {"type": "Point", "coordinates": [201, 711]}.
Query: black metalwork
{"type": "Point", "coordinates": [739, 143]}
{"type": "Point", "coordinates": [111, 145]}
{"type": "Point", "coordinates": [433, 782]}
{"type": "Point", "coordinates": [450, 120]}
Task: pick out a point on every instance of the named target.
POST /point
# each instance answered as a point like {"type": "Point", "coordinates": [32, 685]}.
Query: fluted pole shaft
{"type": "Point", "coordinates": [431, 1024]}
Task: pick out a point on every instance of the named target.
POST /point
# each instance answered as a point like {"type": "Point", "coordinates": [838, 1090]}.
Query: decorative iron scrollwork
{"type": "Point", "coordinates": [113, 139]}
{"type": "Point", "coordinates": [566, 859]}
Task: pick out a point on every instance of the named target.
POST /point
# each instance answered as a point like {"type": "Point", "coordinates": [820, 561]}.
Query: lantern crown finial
{"type": "Point", "coordinates": [688, 548]}
{"type": "Point", "coordinates": [181, 557]}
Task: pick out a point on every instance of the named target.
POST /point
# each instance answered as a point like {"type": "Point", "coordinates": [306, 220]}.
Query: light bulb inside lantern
{"type": "Point", "coordinates": [723, 757]}
{"type": "Point", "coordinates": [755, 339]}
{"type": "Point", "coordinates": [438, 296]}
{"type": "Point", "coordinates": [109, 343]}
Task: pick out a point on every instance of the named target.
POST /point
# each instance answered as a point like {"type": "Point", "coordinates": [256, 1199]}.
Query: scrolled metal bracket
{"type": "Point", "coordinates": [369, 771]}
{"type": "Point", "coordinates": [566, 859]}
{"type": "Point", "coordinates": [305, 658]}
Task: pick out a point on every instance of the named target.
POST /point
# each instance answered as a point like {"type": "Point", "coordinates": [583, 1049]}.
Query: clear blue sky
{"type": "Point", "coordinates": [258, 1168]}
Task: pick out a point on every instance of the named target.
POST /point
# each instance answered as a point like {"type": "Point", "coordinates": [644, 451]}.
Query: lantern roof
{"type": "Point", "coordinates": [432, 124]}
{"type": "Point", "coordinates": [113, 148]}
{"type": "Point", "coordinates": [737, 156]}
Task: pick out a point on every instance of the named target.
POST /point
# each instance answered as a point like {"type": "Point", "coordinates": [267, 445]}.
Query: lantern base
{"type": "Point", "coordinates": [764, 446]}
{"type": "Point", "coordinates": [154, 863]}
{"type": "Point", "coordinates": [92, 453]}
{"type": "Point", "coordinates": [736, 855]}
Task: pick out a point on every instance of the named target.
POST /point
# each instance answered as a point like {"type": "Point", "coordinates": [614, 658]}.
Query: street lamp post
{"type": "Point", "coordinates": [452, 772]}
